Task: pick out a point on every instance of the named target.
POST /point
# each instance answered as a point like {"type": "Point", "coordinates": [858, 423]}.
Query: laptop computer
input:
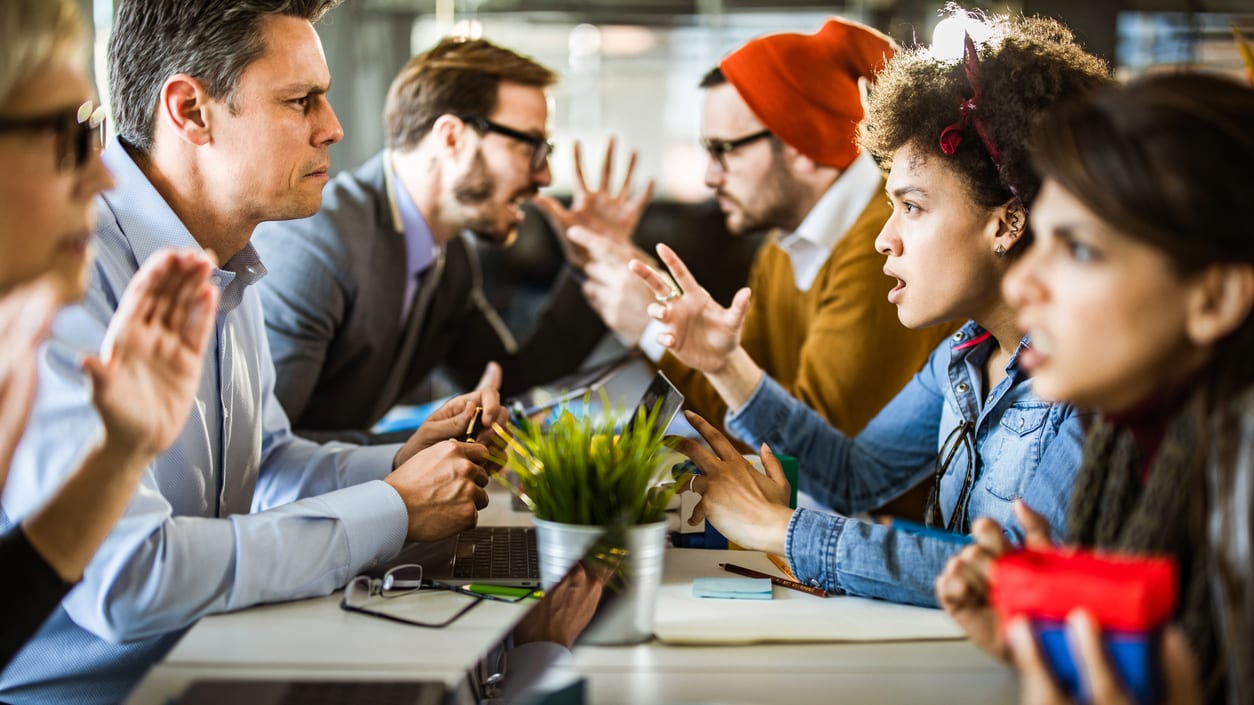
{"type": "Point", "coordinates": [507, 555]}
{"type": "Point", "coordinates": [560, 616]}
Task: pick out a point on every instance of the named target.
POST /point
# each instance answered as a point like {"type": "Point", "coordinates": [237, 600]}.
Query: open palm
{"type": "Point", "coordinates": [150, 362]}
{"type": "Point", "coordinates": [612, 214]}
{"type": "Point", "coordinates": [700, 332]}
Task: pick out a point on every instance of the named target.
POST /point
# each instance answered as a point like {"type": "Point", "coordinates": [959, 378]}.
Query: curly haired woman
{"type": "Point", "coordinates": [951, 134]}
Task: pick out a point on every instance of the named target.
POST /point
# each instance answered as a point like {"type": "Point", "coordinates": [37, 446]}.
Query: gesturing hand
{"type": "Point", "coordinates": [617, 295]}
{"type": "Point", "coordinates": [153, 351]}
{"type": "Point", "coordinates": [748, 507]}
{"type": "Point", "coordinates": [25, 316]}
{"type": "Point", "coordinates": [614, 215]}
{"type": "Point", "coordinates": [962, 588]}
{"type": "Point", "coordinates": [700, 332]}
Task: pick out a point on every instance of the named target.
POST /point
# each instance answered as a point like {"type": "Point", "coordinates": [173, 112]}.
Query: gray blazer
{"type": "Point", "coordinates": [333, 301]}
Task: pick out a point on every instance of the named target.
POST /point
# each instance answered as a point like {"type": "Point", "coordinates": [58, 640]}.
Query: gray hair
{"type": "Point", "coordinates": [31, 33]}
{"type": "Point", "coordinates": [210, 40]}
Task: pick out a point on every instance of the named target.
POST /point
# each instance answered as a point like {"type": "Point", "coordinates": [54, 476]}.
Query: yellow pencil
{"type": "Point", "coordinates": [781, 564]}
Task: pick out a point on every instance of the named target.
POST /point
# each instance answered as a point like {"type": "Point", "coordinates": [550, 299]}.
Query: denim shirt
{"type": "Point", "coordinates": [1024, 447]}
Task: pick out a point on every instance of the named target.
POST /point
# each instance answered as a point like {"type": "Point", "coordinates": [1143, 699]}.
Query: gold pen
{"type": "Point", "coordinates": [475, 425]}
{"type": "Point", "coordinates": [782, 582]}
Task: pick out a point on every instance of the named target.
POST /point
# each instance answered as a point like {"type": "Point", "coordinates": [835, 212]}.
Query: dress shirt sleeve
{"type": "Point", "coordinates": [30, 591]}
{"type": "Point", "coordinates": [171, 559]}
{"type": "Point", "coordinates": [891, 455]}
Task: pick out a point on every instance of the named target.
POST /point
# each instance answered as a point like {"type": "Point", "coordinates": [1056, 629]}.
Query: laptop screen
{"type": "Point", "coordinates": [663, 395]}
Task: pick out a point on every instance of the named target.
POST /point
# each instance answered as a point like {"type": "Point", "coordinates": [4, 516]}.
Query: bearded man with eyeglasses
{"type": "Point", "coordinates": [380, 287]}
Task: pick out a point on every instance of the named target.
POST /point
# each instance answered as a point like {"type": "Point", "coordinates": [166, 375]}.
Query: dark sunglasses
{"type": "Point", "coordinates": [78, 132]}
{"type": "Point", "coordinates": [541, 149]}
{"type": "Point", "coordinates": [719, 149]}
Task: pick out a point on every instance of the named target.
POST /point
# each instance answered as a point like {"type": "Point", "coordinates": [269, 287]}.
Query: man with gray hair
{"type": "Point", "coordinates": [223, 122]}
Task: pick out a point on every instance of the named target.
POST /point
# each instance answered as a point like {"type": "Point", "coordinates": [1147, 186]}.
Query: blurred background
{"type": "Point", "coordinates": [631, 67]}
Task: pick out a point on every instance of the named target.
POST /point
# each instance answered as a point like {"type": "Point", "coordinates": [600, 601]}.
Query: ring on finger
{"type": "Point", "coordinates": [667, 298]}
{"type": "Point", "coordinates": [691, 480]}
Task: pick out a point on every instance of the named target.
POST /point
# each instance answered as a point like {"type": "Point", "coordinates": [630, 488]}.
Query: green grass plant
{"type": "Point", "coordinates": [577, 470]}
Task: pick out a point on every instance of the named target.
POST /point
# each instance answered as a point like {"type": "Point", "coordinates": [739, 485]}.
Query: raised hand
{"type": "Point", "coordinates": [617, 295]}
{"type": "Point", "coordinates": [614, 215]}
{"type": "Point", "coordinates": [25, 316]}
{"type": "Point", "coordinates": [748, 507]}
{"type": "Point", "coordinates": [150, 362]}
{"type": "Point", "coordinates": [443, 489]}
{"type": "Point", "coordinates": [962, 588]}
{"type": "Point", "coordinates": [453, 418]}
{"type": "Point", "coordinates": [700, 332]}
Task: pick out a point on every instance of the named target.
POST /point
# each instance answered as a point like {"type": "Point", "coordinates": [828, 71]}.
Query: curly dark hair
{"type": "Point", "coordinates": [1027, 65]}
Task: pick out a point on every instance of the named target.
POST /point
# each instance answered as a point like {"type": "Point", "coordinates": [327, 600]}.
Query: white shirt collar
{"type": "Point", "coordinates": [811, 244]}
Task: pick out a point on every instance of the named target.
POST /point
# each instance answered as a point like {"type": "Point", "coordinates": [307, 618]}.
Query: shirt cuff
{"type": "Point", "coordinates": [768, 408]}
{"type": "Point", "coordinates": [375, 519]}
{"type": "Point", "coordinates": [648, 340]}
{"type": "Point", "coordinates": [810, 547]}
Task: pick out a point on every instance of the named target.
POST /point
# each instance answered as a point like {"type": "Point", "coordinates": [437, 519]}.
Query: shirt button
{"type": "Point", "coordinates": [963, 387]}
{"type": "Point", "coordinates": [959, 336]}
{"type": "Point", "coordinates": [1020, 423]}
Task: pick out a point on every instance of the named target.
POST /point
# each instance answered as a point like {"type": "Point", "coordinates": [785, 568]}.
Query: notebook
{"type": "Point", "coordinates": [507, 555]}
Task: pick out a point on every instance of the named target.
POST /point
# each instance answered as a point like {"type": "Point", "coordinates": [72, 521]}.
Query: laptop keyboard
{"type": "Point", "coordinates": [497, 552]}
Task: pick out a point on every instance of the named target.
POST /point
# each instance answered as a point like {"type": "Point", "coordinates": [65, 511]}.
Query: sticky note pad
{"type": "Point", "coordinates": [732, 588]}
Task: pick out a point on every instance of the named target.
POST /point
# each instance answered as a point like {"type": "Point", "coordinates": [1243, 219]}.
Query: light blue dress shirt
{"type": "Point", "coordinates": [1024, 447]}
{"type": "Point", "coordinates": [237, 512]}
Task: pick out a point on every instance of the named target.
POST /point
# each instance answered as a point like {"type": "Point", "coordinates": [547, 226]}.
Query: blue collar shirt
{"type": "Point", "coordinates": [237, 512]}
{"type": "Point", "coordinates": [1024, 447]}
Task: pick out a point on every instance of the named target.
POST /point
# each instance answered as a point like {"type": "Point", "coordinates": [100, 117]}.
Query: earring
{"type": "Point", "coordinates": [1000, 250]}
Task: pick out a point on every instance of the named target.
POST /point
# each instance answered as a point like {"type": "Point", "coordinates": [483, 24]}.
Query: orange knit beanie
{"type": "Point", "coordinates": [804, 87]}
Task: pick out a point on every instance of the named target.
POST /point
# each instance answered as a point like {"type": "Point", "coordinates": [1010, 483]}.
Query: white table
{"type": "Point", "coordinates": [314, 639]}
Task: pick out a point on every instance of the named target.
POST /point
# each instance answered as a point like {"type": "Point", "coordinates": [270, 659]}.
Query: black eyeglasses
{"type": "Point", "coordinates": [961, 438]}
{"type": "Point", "coordinates": [541, 149]}
{"type": "Point", "coordinates": [405, 580]}
{"type": "Point", "coordinates": [719, 149]}
{"type": "Point", "coordinates": [79, 132]}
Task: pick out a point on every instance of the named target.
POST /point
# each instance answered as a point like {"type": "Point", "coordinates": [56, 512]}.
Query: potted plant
{"type": "Point", "coordinates": [585, 479]}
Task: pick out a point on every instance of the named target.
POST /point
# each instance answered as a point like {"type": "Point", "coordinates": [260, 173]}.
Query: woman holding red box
{"type": "Point", "coordinates": [1138, 296]}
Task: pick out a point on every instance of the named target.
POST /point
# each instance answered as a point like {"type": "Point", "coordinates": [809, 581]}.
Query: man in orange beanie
{"type": "Point", "coordinates": [780, 124]}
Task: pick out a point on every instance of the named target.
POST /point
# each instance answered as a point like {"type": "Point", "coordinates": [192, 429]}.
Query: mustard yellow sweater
{"type": "Point", "coordinates": [839, 346]}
